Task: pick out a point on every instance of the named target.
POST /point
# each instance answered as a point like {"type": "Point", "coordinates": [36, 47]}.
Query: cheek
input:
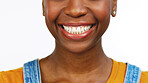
{"type": "Point", "coordinates": [51, 14]}
{"type": "Point", "coordinates": [53, 10]}
{"type": "Point", "coordinates": [102, 12]}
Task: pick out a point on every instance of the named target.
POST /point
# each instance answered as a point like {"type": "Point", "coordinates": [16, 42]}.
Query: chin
{"type": "Point", "coordinates": [78, 47]}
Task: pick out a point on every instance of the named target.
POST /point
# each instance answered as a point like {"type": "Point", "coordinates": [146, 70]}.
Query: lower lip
{"type": "Point", "coordinates": [76, 36]}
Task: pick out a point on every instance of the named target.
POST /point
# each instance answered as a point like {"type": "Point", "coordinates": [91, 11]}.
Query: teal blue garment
{"type": "Point", "coordinates": [133, 74]}
{"type": "Point", "coordinates": [31, 72]}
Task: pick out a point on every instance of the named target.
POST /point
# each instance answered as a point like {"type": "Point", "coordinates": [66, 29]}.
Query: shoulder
{"type": "Point", "coordinates": [12, 76]}
{"type": "Point", "coordinates": [119, 71]}
{"type": "Point", "coordinates": [144, 77]}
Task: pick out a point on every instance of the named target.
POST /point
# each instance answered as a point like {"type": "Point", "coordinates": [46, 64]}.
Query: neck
{"type": "Point", "coordinates": [88, 61]}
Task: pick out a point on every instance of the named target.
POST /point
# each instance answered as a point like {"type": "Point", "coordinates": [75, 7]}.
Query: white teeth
{"type": "Point", "coordinates": [82, 30]}
{"type": "Point", "coordinates": [85, 28]}
{"type": "Point", "coordinates": [73, 30]}
{"type": "Point", "coordinates": [69, 29]}
{"type": "Point", "coordinates": [66, 28]}
{"type": "Point", "coordinates": [76, 30]}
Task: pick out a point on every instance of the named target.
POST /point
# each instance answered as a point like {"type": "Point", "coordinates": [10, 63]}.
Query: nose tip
{"type": "Point", "coordinates": [75, 10]}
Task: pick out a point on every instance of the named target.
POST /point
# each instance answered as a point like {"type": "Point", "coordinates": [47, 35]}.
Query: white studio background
{"type": "Point", "coordinates": [24, 35]}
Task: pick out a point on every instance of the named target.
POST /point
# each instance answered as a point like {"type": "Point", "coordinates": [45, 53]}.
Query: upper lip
{"type": "Point", "coordinates": [76, 24]}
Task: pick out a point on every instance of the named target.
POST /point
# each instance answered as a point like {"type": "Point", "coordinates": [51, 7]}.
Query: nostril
{"type": "Point", "coordinates": [81, 15]}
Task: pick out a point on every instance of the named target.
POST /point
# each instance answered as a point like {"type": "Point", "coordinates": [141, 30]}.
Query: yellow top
{"type": "Point", "coordinates": [117, 75]}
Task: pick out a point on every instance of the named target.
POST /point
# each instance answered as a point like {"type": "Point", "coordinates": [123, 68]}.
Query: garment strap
{"type": "Point", "coordinates": [31, 72]}
{"type": "Point", "coordinates": [133, 74]}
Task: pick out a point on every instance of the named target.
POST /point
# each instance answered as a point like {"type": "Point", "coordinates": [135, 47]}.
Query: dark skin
{"type": "Point", "coordinates": [77, 61]}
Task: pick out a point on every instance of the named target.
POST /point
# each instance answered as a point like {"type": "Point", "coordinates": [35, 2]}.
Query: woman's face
{"type": "Point", "coordinates": [78, 25]}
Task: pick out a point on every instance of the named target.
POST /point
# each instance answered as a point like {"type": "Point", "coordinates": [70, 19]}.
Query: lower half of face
{"type": "Point", "coordinates": [77, 27]}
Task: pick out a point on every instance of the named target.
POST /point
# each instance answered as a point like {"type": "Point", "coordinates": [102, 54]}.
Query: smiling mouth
{"type": "Point", "coordinates": [76, 29]}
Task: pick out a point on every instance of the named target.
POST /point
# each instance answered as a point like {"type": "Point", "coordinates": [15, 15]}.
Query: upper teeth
{"type": "Point", "coordinates": [76, 30]}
